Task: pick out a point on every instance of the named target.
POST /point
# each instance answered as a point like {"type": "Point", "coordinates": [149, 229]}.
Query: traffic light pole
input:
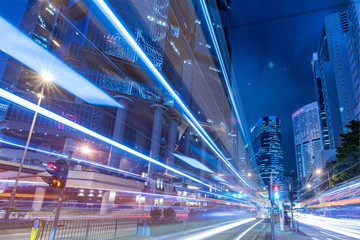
{"type": "Point", "coordinates": [57, 214]}
{"type": "Point", "coordinates": [272, 209]}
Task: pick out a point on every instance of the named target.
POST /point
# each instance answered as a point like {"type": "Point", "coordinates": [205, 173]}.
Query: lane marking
{"type": "Point", "coordinates": [247, 230]}
{"type": "Point", "coordinates": [329, 234]}
{"type": "Point", "coordinates": [193, 230]}
{"type": "Point", "coordinates": [218, 230]}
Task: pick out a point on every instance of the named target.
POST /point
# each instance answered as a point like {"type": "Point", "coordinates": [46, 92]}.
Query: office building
{"type": "Point", "coordinates": [308, 140]}
{"type": "Point", "coordinates": [267, 144]}
{"type": "Point", "coordinates": [353, 49]}
{"type": "Point", "coordinates": [334, 69]}
{"type": "Point", "coordinates": [176, 39]}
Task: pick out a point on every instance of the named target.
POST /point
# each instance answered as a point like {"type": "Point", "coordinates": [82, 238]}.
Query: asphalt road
{"type": "Point", "coordinates": [243, 227]}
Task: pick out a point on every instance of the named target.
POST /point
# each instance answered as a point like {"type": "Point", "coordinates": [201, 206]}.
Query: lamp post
{"type": "Point", "coordinates": [46, 77]}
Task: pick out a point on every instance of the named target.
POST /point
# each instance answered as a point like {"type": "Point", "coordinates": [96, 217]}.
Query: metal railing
{"type": "Point", "coordinates": [88, 229]}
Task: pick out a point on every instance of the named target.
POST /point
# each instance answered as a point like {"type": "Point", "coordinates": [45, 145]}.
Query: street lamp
{"type": "Point", "coordinates": [320, 172]}
{"type": "Point", "coordinates": [308, 185]}
{"type": "Point", "coordinates": [46, 77]}
{"type": "Point", "coordinates": [85, 150]}
{"type": "Point", "coordinates": [249, 174]}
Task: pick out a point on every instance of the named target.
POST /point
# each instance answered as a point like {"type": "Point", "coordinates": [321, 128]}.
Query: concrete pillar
{"type": "Point", "coordinates": [38, 198]}
{"type": "Point", "coordinates": [107, 200]}
{"type": "Point", "coordinates": [174, 122]}
{"type": "Point", "coordinates": [159, 110]}
{"type": "Point", "coordinates": [137, 165]}
{"type": "Point", "coordinates": [119, 128]}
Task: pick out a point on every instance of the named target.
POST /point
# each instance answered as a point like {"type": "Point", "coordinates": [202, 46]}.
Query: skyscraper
{"type": "Point", "coordinates": [353, 47]}
{"type": "Point", "coordinates": [307, 139]}
{"type": "Point", "coordinates": [267, 144]}
{"type": "Point", "coordinates": [334, 78]}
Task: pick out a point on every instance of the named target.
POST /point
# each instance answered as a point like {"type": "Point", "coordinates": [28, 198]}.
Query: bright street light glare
{"type": "Point", "coordinates": [47, 76]}
{"type": "Point", "coordinates": [85, 149]}
{"type": "Point", "coordinates": [26, 50]}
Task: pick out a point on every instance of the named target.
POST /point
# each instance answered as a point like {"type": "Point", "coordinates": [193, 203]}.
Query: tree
{"type": "Point", "coordinates": [347, 163]}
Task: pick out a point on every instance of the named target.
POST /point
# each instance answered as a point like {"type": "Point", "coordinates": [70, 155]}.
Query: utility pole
{"type": "Point", "coordinates": [57, 214]}
{"type": "Point", "coordinates": [272, 209]}
{"type": "Point", "coordinates": [63, 180]}
{"type": "Point", "coordinates": [291, 196]}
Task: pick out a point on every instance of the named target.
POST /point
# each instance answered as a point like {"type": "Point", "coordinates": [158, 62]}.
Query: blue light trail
{"type": "Point", "coordinates": [79, 160]}
{"type": "Point", "coordinates": [19, 46]}
{"type": "Point", "coordinates": [22, 102]}
{"type": "Point", "coordinates": [191, 118]}
{"type": "Point", "coordinates": [223, 68]}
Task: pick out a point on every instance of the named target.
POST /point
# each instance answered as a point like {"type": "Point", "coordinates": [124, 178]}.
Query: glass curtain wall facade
{"type": "Point", "coordinates": [335, 68]}
{"type": "Point", "coordinates": [138, 93]}
{"type": "Point", "coordinates": [267, 144]}
{"type": "Point", "coordinates": [307, 139]}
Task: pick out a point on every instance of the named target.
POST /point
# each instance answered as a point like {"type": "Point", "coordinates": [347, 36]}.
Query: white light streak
{"type": "Point", "coordinates": [22, 102]}
{"type": "Point", "coordinates": [347, 227]}
{"type": "Point", "coordinates": [218, 230]}
{"type": "Point", "coordinates": [187, 113]}
{"type": "Point", "coordinates": [19, 46]}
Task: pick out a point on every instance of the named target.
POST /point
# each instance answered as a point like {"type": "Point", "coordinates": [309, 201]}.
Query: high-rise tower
{"type": "Point", "coordinates": [307, 139]}
{"type": "Point", "coordinates": [334, 77]}
{"type": "Point", "coordinates": [267, 144]}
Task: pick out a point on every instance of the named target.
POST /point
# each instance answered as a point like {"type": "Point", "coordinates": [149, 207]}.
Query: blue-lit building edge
{"type": "Point", "coordinates": [72, 58]}
{"type": "Point", "coordinates": [335, 68]}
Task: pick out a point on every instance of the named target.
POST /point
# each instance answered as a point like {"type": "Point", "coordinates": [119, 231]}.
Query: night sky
{"type": "Point", "coordinates": [272, 45]}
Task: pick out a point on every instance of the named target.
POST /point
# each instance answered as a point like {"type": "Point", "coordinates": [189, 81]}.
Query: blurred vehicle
{"type": "Point", "coordinates": [263, 213]}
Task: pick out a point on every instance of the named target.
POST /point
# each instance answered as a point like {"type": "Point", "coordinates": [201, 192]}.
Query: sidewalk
{"type": "Point", "coordinates": [289, 234]}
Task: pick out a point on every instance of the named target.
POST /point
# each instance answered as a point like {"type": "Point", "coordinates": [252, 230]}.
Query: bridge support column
{"type": "Point", "coordinates": [107, 201]}
{"type": "Point", "coordinates": [38, 198]}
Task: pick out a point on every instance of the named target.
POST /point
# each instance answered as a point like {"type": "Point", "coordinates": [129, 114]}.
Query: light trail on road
{"type": "Point", "coordinates": [347, 227]}
{"type": "Point", "coordinates": [218, 230]}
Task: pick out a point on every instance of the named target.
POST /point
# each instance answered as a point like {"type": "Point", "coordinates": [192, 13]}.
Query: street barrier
{"type": "Point", "coordinates": [88, 229]}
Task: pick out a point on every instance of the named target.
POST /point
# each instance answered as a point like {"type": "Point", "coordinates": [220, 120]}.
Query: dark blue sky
{"type": "Point", "coordinates": [272, 45]}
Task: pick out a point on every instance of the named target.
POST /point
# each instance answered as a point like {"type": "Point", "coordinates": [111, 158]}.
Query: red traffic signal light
{"type": "Point", "coordinates": [276, 188]}
{"type": "Point", "coordinates": [52, 165]}
{"type": "Point", "coordinates": [59, 172]}
{"type": "Point", "coordinates": [58, 169]}
{"type": "Point", "coordinates": [276, 191]}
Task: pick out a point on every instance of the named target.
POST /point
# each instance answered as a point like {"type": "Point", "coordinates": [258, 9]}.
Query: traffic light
{"type": "Point", "coordinates": [59, 172]}
{"type": "Point", "coordinates": [276, 191]}
{"type": "Point", "coordinates": [55, 182]}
